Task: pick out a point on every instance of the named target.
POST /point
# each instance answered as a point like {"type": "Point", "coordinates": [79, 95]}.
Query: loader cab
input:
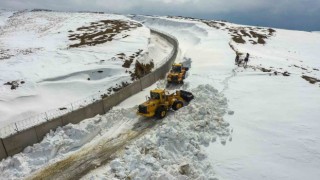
{"type": "Point", "coordinates": [176, 68]}
{"type": "Point", "coordinates": [157, 94]}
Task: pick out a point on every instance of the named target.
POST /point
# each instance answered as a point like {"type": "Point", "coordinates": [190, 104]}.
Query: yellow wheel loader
{"type": "Point", "coordinates": [160, 101]}
{"type": "Point", "coordinates": [177, 73]}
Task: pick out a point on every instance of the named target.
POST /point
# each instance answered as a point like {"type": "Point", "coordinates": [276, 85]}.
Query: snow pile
{"type": "Point", "coordinates": [173, 150]}
{"type": "Point", "coordinates": [158, 50]}
{"type": "Point", "coordinates": [188, 33]}
{"type": "Point", "coordinates": [65, 140]}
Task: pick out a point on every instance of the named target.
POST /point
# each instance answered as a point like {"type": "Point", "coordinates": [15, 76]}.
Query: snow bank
{"type": "Point", "coordinates": [188, 33]}
{"type": "Point", "coordinates": [64, 141]}
{"type": "Point", "coordinates": [173, 150]}
{"type": "Point", "coordinates": [158, 51]}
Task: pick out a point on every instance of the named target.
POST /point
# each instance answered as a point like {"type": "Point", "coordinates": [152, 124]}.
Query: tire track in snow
{"type": "Point", "coordinates": [225, 82]}
{"type": "Point", "coordinates": [80, 163]}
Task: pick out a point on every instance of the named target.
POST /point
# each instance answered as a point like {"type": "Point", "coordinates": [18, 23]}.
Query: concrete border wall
{"type": "Point", "coordinates": [43, 129]}
{"type": "Point", "coordinates": [15, 143]}
{"type": "Point", "coordinates": [147, 80]}
{"type": "Point", "coordinates": [3, 152]}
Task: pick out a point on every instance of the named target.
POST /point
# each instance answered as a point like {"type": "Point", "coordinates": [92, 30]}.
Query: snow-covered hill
{"type": "Point", "coordinates": [275, 125]}
{"type": "Point", "coordinates": [49, 60]}
{"type": "Point", "coordinates": [259, 122]}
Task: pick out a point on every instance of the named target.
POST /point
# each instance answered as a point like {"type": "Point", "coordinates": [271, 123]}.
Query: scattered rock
{"type": "Point", "coordinates": [311, 80]}
{"type": "Point", "coordinates": [265, 70]}
{"type": "Point", "coordinates": [184, 169]}
{"type": "Point", "coordinates": [13, 84]}
{"type": "Point", "coordinates": [286, 73]}
{"type": "Point", "coordinates": [103, 96]}
{"type": "Point", "coordinates": [231, 112]}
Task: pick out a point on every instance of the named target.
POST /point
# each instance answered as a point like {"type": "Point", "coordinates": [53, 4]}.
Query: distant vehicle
{"type": "Point", "coordinates": [177, 73]}
{"type": "Point", "coordinates": [160, 101]}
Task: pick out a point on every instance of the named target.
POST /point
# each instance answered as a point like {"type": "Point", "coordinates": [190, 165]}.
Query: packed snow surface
{"type": "Point", "coordinates": [175, 143]}
{"type": "Point", "coordinates": [173, 150]}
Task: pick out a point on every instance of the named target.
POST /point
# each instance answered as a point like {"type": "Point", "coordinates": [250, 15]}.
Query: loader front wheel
{"type": "Point", "coordinates": [177, 105]}
{"type": "Point", "coordinates": [161, 112]}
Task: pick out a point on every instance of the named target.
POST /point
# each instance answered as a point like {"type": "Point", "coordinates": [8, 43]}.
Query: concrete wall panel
{"type": "Point", "coordinates": [160, 74]}
{"type": "Point", "coordinates": [110, 101]}
{"type": "Point", "coordinates": [94, 109]}
{"type": "Point", "coordinates": [147, 80]}
{"type": "Point", "coordinates": [74, 117]}
{"type": "Point", "coordinates": [43, 129]}
{"type": "Point", "coordinates": [134, 88]}
{"type": "Point", "coordinates": [17, 142]}
{"type": "Point", "coordinates": [3, 153]}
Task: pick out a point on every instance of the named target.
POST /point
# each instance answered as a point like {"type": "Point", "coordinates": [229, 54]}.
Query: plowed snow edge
{"type": "Point", "coordinates": [78, 164]}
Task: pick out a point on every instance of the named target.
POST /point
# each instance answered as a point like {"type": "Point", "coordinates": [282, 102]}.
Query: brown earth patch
{"type": "Point", "coordinates": [212, 24]}
{"type": "Point", "coordinates": [128, 60]}
{"type": "Point", "coordinates": [311, 80]}
{"type": "Point", "coordinates": [141, 70]}
{"type": "Point", "coordinates": [271, 31]}
{"type": "Point", "coordinates": [238, 39]}
{"type": "Point", "coordinates": [286, 73]}
{"type": "Point", "coordinates": [14, 84]}
{"type": "Point", "coordinates": [265, 70]}
{"type": "Point", "coordinates": [100, 32]}
{"type": "Point", "coordinates": [245, 33]}
{"type": "Point", "coordinates": [255, 35]}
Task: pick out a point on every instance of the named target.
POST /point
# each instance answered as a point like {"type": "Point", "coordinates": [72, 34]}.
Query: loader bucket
{"type": "Point", "coordinates": [187, 96]}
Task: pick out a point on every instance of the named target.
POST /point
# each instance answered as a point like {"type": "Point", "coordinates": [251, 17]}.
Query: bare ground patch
{"type": "Point", "coordinates": [141, 70]}
{"type": "Point", "coordinates": [252, 35]}
{"type": "Point", "coordinates": [128, 60]}
{"type": "Point", "coordinates": [240, 35]}
{"type": "Point", "coordinates": [14, 84]}
{"type": "Point", "coordinates": [100, 32]}
{"type": "Point", "coordinates": [311, 80]}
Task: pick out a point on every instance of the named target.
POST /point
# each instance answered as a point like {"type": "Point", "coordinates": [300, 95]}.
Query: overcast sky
{"type": "Point", "coordinates": [289, 14]}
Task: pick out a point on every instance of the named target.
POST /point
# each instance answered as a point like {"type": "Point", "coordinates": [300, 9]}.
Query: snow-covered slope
{"type": "Point", "coordinates": [275, 126]}
{"type": "Point", "coordinates": [276, 117]}
{"type": "Point", "coordinates": [272, 107]}
{"type": "Point", "coordinates": [4, 16]}
{"type": "Point", "coordinates": [56, 59]}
